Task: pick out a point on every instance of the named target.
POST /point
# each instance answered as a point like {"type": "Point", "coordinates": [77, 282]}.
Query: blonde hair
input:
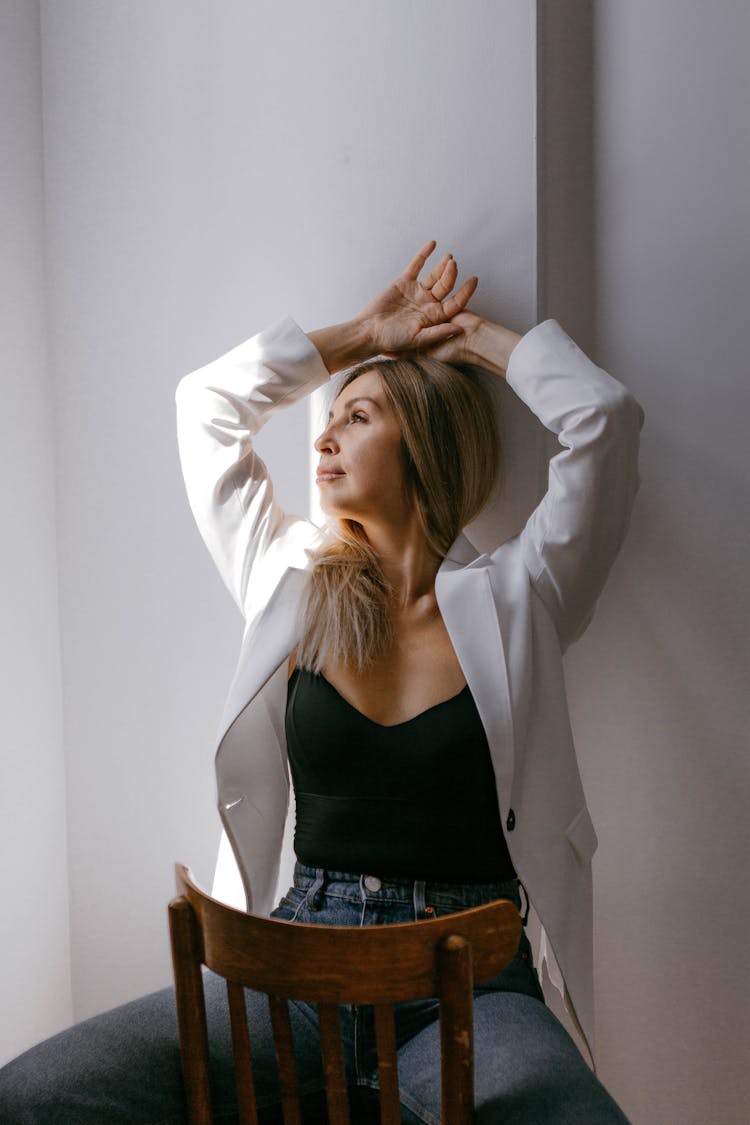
{"type": "Point", "coordinates": [451, 453]}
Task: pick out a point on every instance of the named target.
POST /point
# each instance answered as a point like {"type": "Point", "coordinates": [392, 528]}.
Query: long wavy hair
{"type": "Point", "coordinates": [451, 452]}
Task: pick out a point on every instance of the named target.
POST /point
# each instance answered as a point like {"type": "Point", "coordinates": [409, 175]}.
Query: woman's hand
{"type": "Point", "coordinates": [413, 315]}
{"type": "Point", "coordinates": [462, 347]}
{"type": "Point", "coordinates": [480, 342]}
{"type": "Point", "coordinates": [409, 316]}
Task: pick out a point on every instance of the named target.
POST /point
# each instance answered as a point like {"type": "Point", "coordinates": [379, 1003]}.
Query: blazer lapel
{"type": "Point", "coordinates": [266, 644]}
{"type": "Point", "coordinates": [465, 598]}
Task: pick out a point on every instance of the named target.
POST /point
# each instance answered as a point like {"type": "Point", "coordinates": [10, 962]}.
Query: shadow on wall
{"type": "Point", "coordinates": [566, 162]}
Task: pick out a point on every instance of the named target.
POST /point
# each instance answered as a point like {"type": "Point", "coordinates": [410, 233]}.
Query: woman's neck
{"type": "Point", "coordinates": [408, 562]}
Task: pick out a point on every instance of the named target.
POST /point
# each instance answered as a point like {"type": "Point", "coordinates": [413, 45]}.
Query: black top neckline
{"type": "Point", "coordinates": [389, 726]}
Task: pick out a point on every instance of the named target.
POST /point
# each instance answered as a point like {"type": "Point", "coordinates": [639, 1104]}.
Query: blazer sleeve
{"type": "Point", "coordinates": [220, 408]}
{"type": "Point", "coordinates": [572, 538]}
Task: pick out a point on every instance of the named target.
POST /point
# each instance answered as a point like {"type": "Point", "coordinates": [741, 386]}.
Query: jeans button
{"type": "Point", "coordinates": [372, 883]}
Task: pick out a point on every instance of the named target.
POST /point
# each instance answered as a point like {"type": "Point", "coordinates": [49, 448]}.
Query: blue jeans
{"type": "Point", "coordinates": [123, 1066]}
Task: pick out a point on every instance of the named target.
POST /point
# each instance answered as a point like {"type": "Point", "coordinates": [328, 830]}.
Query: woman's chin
{"type": "Point", "coordinates": [329, 509]}
{"type": "Point", "coordinates": [333, 511]}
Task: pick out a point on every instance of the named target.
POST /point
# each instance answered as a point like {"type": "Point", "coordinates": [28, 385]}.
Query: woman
{"type": "Point", "coordinates": [414, 686]}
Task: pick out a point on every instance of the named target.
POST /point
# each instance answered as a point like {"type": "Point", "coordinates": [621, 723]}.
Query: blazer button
{"type": "Point", "coordinates": [510, 823]}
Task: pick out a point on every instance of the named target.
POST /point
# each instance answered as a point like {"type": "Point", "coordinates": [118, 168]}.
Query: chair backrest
{"type": "Point", "coordinates": [331, 965]}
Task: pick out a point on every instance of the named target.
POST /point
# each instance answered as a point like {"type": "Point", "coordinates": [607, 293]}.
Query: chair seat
{"type": "Point", "coordinates": [364, 1104]}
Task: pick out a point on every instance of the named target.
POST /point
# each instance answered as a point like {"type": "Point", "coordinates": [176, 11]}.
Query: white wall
{"type": "Point", "coordinates": [210, 169]}
{"type": "Point", "coordinates": [658, 685]}
{"type": "Point", "coordinates": [36, 996]}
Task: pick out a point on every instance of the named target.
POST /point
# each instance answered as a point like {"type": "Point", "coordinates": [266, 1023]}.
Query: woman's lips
{"type": "Point", "coordinates": [325, 475]}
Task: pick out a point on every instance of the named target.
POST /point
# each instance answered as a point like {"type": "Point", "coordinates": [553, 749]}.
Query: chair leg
{"type": "Point", "coordinates": [191, 1011]}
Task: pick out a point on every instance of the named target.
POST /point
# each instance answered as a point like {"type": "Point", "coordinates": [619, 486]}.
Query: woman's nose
{"type": "Point", "coordinates": [326, 442]}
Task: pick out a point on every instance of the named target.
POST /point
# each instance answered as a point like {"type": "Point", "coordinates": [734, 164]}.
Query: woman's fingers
{"type": "Point", "coordinates": [437, 275]}
{"type": "Point", "coordinates": [437, 334]}
{"type": "Point", "coordinates": [440, 281]}
{"type": "Point", "coordinates": [415, 266]}
{"type": "Point", "coordinates": [442, 285]}
{"type": "Point", "coordinates": [461, 297]}
{"type": "Point", "coordinates": [433, 277]}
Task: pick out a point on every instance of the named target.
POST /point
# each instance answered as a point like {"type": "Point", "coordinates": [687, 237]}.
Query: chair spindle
{"type": "Point", "coordinates": [385, 1039]}
{"type": "Point", "coordinates": [284, 1045]}
{"type": "Point", "coordinates": [456, 1030]}
{"type": "Point", "coordinates": [243, 1059]}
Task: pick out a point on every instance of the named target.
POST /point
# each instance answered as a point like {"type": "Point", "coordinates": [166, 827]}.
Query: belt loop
{"type": "Point", "coordinates": [315, 893]}
{"type": "Point", "coordinates": [420, 905]}
{"type": "Point", "coordinates": [525, 915]}
{"type": "Point", "coordinates": [363, 896]}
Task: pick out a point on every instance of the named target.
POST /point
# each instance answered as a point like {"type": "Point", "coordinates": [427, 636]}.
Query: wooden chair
{"type": "Point", "coordinates": [328, 966]}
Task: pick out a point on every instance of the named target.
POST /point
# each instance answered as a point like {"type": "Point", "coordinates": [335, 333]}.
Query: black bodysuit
{"type": "Point", "coordinates": [416, 800]}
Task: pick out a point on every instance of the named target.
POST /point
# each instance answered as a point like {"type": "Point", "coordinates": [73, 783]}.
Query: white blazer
{"type": "Point", "coordinates": [510, 614]}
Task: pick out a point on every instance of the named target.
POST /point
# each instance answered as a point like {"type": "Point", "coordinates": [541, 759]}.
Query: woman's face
{"type": "Point", "coordinates": [361, 474]}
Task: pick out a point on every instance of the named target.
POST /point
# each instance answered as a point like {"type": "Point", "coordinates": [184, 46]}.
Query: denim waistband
{"type": "Point", "coordinates": [387, 888]}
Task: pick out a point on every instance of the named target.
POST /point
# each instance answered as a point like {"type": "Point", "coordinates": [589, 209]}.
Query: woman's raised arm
{"type": "Point", "coordinates": [220, 409]}
{"type": "Point", "coordinates": [572, 538]}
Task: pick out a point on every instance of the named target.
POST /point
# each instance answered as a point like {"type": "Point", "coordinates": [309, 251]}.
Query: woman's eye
{"type": "Point", "coordinates": [357, 417]}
